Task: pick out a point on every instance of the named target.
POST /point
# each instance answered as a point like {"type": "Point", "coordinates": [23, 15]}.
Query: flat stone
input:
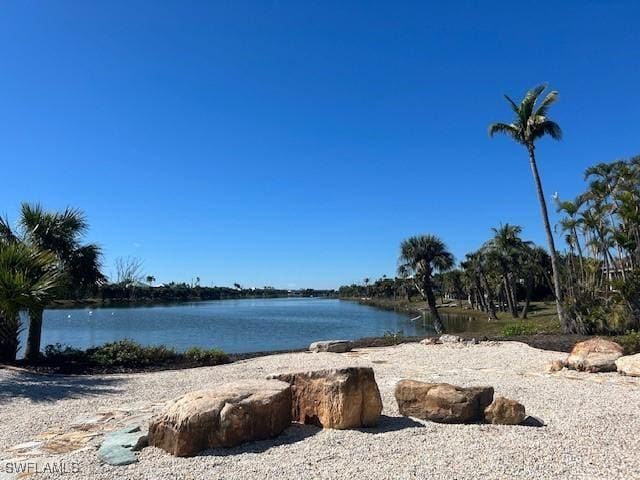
{"type": "Point", "coordinates": [224, 416]}
{"type": "Point", "coordinates": [333, 346]}
{"type": "Point", "coordinates": [629, 365]}
{"type": "Point", "coordinates": [340, 398]}
{"type": "Point", "coordinates": [504, 411]}
{"type": "Point", "coordinates": [594, 355]}
{"type": "Point", "coordinates": [531, 421]}
{"type": "Point", "coordinates": [442, 402]}
{"type": "Point", "coordinates": [447, 338]}
{"type": "Point", "coordinates": [118, 446]}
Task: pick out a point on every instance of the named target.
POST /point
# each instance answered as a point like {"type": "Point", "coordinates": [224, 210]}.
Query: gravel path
{"type": "Point", "coordinates": [592, 432]}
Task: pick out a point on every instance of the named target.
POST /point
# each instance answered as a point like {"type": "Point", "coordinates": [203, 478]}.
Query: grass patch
{"type": "Point", "coordinates": [518, 329]}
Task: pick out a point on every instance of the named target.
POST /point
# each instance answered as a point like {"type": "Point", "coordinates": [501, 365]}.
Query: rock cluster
{"type": "Point", "coordinates": [230, 414]}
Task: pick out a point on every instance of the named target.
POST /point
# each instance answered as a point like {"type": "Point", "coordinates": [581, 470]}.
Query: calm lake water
{"type": "Point", "coordinates": [235, 326]}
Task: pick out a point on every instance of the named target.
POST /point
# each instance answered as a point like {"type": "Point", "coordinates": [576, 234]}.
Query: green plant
{"type": "Point", "coordinates": [515, 329]}
{"type": "Point", "coordinates": [630, 341]}
{"type": "Point", "coordinates": [129, 353]}
{"type": "Point", "coordinates": [59, 354]}
{"type": "Point", "coordinates": [213, 356]}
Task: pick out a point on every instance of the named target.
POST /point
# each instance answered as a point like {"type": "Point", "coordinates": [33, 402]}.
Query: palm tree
{"type": "Point", "coordinates": [507, 249]}
{"type": "Point", "coordinates": [59, 233]}
{"type": "Point", "coordinates": [530, 124]}
{"type": "Point", "coordinates": [28, 278]}
{"type": "Point", "coordinates": [421, 256]}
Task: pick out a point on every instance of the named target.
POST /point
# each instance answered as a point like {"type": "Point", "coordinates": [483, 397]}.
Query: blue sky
{"type": "Point", "coordinates": [296, 143]}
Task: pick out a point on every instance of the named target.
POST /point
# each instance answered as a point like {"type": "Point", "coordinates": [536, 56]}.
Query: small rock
{"type": "Point", "coordinates": [554, 366]}
{"type": "Point", "coordinates": [504, 411]}
{"type": "Point", "coordinates": [629, 365]}
{"type": "Point", "coordinates": [429, 341]}
{"type": "Point", "coordinates": [341, 398]}
{"type": "Point", "coordinates": [594, 355]}
{"type": "Point", "coordinates": [531, 421]}
{"type": "Point", "coordinates": [442, 402]}
{"type": "Point", "coordinates": [332, 346]}
{"type": "Point", "coordinates": [118, 446]}
{"type": "Point", "coordinates": [446, 338]}
{"type": "Point", "coordinates": [473, 341]}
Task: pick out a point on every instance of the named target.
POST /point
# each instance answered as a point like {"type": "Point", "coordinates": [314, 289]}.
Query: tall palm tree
{"type": "Point", "coordinates": [529, 125]}
{"type": "Point", "coordinates": [421, 256]}
{"type": "Point", "coordinates": [59, 233]}
{"type": "Point", "coordinates": [28, 278]}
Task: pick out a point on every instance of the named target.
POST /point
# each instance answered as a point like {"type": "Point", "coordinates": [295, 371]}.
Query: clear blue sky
{"type": "Point", "coordinates": [294, 143]}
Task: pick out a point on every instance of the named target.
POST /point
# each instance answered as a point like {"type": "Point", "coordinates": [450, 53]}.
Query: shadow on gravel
{"type": "Point", "coordinates": [295, 433]}
{"type": "Point", "coordinates": [47, 388]}
{"type": "Point", "coordinates": [392, 424]}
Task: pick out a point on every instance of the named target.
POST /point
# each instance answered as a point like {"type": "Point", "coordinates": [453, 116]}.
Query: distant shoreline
{"type": "Point", "coordinates": [99, 303]}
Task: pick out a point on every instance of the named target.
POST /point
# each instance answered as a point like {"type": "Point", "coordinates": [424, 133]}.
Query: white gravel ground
{"type": "Point", "coordinates": [592, 432]}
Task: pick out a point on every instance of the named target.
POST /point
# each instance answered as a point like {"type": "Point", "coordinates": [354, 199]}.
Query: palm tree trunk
{"type": "Point", "coordinates": [564, 321]}
{"type": "Point", "coordinates": [35, 334]}
{"type": "Point", "coordinates": [438, 326]}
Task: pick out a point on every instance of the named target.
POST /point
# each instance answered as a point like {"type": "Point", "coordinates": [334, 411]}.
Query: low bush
{"type": "Point", "coordinates": [515, 329]}
{"type": "Point", "coordinates": [630, 341]}
{"type": "Point", "coordinates": [127, 353]}
{"type": "Point", "coordinates": [59, 354]}
{"type": "Point", "coordinates": [213, 356]}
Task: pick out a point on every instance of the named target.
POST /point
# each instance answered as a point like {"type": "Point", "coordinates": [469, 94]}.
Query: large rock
{"type": "Point", "coordinates": [334, 346]}
{"type": "Point", "coordinates": [342, 398]}
{"type": "Point", "coordinates": [594, 355]}
{"type": "Point", "coordinates": [442, 402]}
{"type": "Point", "coordinates": [224, 416]}
{"type": "Point", "coordinates": [629, 365]}
{"type": "Point", "coordinates": [504, 411]}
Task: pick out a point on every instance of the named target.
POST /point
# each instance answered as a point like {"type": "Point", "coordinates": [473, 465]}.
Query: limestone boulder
{"type": "Point", "coordinates": [332, 346]}
{"type": "Point", "coordinates": [340, 398]}
{"type": "Point", "coordinates": [224, 416]}
{"type": "Point", "coordinates": [504, 411]}
{"type": "Point", "coordinates": [594, 355]}
{"type": "Point", "coordinates": [442, 402]}
{"type": "Point", "coordinates": [629, 365]}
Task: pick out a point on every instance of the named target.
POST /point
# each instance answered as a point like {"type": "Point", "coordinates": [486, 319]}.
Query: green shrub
{"type": "Point", "coordinates": [213, 356]}
{"type": "Point", "coordinates": [515, 329]}
{"type": "Point", "coordinates": [59, 354]}
{"type": "Point", "coordinates": [630, 341]}
{"type": "Point", "coordinates": [128, 353]}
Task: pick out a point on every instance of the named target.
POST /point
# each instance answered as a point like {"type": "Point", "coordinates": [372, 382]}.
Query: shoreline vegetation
{"type": "Point", "coordinates": [509, 287]}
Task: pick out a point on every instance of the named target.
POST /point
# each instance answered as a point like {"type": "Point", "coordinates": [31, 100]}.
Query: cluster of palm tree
{"type": "Point", "coordinates": [503, 270]}
{"type": "Point", "coordinates": [601, 276]}
{"type": "Point", "coordinates": [41, 259]}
